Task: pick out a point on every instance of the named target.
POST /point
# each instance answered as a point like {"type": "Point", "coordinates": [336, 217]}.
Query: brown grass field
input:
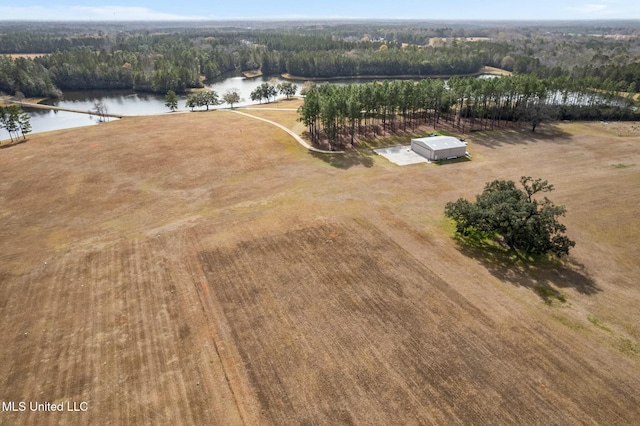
{"type": "Point", "coordinates": [206, 269]}
{"type": "Point", "coordinates": [24, 55]}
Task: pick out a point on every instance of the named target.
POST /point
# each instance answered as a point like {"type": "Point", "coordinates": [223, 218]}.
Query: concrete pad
{"type": "Point", "coordinates": [401, 155]}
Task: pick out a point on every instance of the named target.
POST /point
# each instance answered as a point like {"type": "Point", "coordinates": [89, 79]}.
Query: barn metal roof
{"type": "Point", "coordinates": [436, 143]}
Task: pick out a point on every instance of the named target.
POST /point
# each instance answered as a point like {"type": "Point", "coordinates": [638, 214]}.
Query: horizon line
{"type": "Point", "coordinates": [303, 18]}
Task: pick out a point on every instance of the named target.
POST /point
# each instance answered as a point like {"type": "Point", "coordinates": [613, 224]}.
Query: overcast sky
{"type": "Point", "coordinates": [287, 9]}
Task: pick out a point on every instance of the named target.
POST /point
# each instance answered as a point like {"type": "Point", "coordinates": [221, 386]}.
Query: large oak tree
{"type": "Point", "coordinates": [517, 217]}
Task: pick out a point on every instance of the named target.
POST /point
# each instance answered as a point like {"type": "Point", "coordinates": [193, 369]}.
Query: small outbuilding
{"type": "Point", "coordinates": [435, 148]}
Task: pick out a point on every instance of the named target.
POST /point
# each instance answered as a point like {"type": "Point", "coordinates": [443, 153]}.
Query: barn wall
{"type": "Point", "coordinates": [422, 150]}
{"type": "Point", "coordinates": [451, 152]}
{"type": "Point", "coordinates": [441, 154]}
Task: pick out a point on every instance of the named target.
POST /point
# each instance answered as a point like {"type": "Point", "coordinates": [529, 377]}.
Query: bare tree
{"type": "Point", "coordinates": [100, 109]}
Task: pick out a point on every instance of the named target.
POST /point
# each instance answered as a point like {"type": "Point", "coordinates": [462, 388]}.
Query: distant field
{"type": "Point", "coordinates": [204, 268]}
{"type": "Point", "coordinates": [439, 40]}
{"type": "Point", "coordinates": [620, 36]}
{"type": "Point", "coordinates": [494, 71]}
{"type": "Point", "coordinates": [24, 55]}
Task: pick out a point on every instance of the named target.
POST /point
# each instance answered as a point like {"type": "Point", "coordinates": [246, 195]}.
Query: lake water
{"type": "Point", "coordinates": [45, 120]}
{"type": "Point", "coordinates": [133, 103]}
{"type": "Point", "coordinates": [129, 103]}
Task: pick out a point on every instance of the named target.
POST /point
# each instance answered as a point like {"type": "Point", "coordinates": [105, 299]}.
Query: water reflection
{"type": "Point", "coordinates": [120, 102]}
{"type": "Point", "coordinates": [43, 120]}
{"type": "Point", "coordinates": [123, 102]}
{"type": "Point", "coordinates": [129, 103]}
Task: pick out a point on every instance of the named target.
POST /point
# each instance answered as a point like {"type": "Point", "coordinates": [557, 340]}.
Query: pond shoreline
{"type": "Point", "coordinates": [77, 108]}
{"type": "Point", "coordinates": [288, 76]}
{"type": "Point", "coordinates": [481, 71]}
{"type": "Point", "coordinates": [56, 108]}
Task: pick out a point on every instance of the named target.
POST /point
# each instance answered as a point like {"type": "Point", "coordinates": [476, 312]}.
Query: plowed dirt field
{"type": "Point", "coordinates": [205, 269]}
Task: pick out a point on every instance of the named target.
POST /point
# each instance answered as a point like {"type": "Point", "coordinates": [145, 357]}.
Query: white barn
{"type": "Point", "coordinates": [439, 147]}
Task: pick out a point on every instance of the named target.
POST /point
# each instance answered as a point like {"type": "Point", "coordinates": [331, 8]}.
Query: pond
{"type": "Point", "coordinates": [121, 102]}
{"type": "Point", "coordinates": [129, 103]}
{"type": "Point", "coordinates": [45, 120]}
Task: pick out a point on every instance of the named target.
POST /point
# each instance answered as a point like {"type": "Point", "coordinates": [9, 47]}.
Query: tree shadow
{"type": "Point", "coordinates": [347, 160]}
{"type": "Point", "coordinates": [549, 132]}
{"type": "Point", "coordinates": [543, 274]}
{"type": "Point", "coordinates": [14, 143]}
{"type": "Point", "coordinates": [451, 161]}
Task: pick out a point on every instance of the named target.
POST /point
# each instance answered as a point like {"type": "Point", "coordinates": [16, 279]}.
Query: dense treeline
{"type": "Point", "coordinates": [301, 42]}
{"type": "Point", "coordinates": [84, 68]}
{"type": "Point", "coordinates": [625, 78]}
{"type": "Point", "coordinates": [24, 77]}
{"type": "Point", "coordinates": [153, 63]}
{"type": "Point", "coordinates": [163, 62]}
{"type": "Point", "coordinates": [342, 114]}
{"type": "Point", "coordinates": [382, 62]}
{"type": "Point", "coordinates": [158, 58]}
{"type": "Point", "coordinates": [45, 43]}
{"type": "Point", "coordinates": [553, 55]}
{"type": "Point", "coordinates": [322, 56]}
